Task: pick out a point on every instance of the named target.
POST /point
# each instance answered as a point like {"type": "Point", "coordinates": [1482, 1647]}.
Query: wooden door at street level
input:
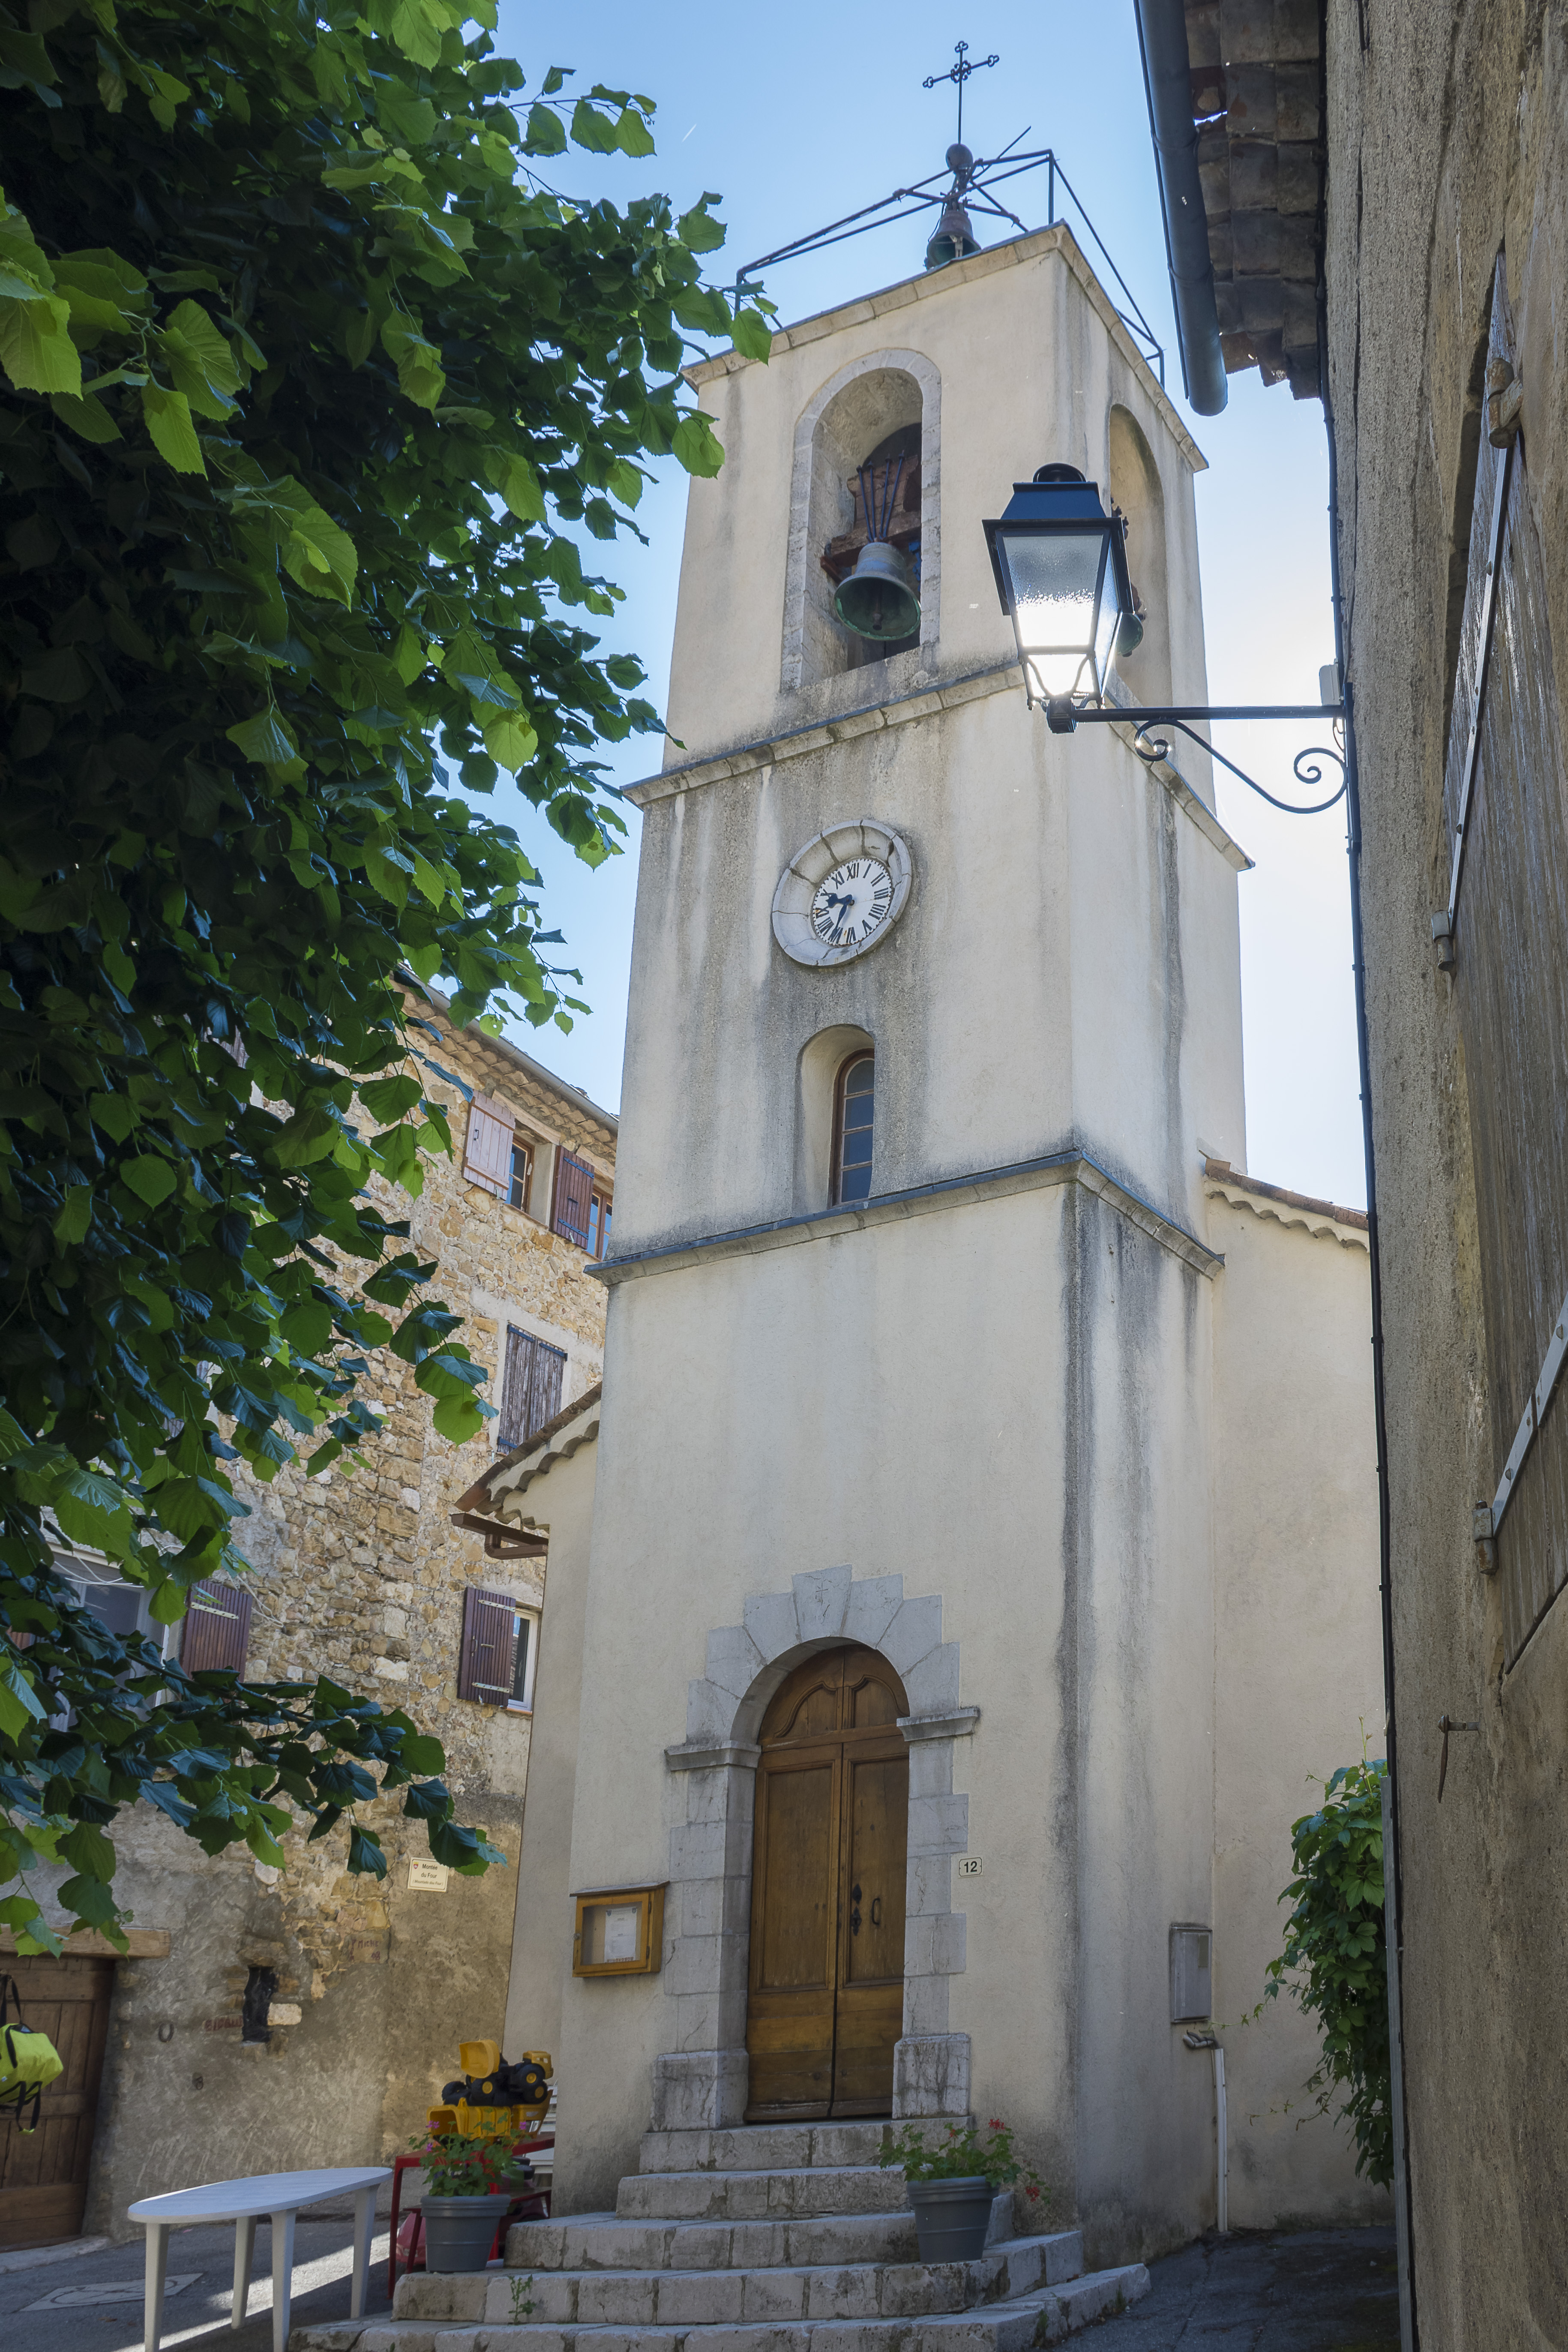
{"type": "Point", "coordinates": [826, 1996]}
{"type": "Point", "coordinates": [43, 2173]}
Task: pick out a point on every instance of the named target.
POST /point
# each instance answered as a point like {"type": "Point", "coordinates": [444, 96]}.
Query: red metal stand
{"type": "Point", "coordinates": [416, 2262]}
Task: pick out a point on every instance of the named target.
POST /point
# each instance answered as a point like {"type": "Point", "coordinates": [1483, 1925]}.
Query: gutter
{"type": "Point", "coordinates": [1168, 82]}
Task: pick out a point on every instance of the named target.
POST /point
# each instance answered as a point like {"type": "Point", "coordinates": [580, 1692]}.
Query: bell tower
{"type": "Point", "coordinates": [911, 1311]}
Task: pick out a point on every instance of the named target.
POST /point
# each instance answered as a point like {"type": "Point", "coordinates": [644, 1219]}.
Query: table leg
{"type": "Point", "coordinates": [392, 2239]}
{"type": "Point", "coordinates": [364, 2222]}
{"type": "Point", "coordinates": [157, 2269]}
{"type": "Point", "coordinates": [244, 2248]}
{"type": "Point", "coordinates": [283, 2277]}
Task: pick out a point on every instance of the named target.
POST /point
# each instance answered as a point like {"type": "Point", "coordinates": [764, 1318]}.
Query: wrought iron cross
{"type": "Point", "coordinates": [959, 74]}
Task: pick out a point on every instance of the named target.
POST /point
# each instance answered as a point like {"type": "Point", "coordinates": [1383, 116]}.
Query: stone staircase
{"type": "Point", "coordinates": [776, 2238]}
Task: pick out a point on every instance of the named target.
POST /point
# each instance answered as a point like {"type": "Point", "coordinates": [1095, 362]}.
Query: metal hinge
{"type": "Point", "coordinates": [1443, 940]}
{"type": "Point", "coordinates": [1484, 1530]}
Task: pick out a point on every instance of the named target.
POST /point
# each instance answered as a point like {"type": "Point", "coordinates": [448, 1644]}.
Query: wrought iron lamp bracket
{"type": "Point", "coordinates": [1064, 716]}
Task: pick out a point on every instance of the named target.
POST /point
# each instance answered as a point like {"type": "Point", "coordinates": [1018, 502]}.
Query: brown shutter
{"type": "Point", "coordinates": [573, 1192]}
{"type": "Point", "coordinates": [485, 1665]}
{"type": "Point", "coordinates": [217, 1632]}
{"type": "Point", "coordinates": [1506, 799]}
{"type": "Point", "coordinates": [531, 1389]}
{"type": "Point", "coordinates": [486, 1156]}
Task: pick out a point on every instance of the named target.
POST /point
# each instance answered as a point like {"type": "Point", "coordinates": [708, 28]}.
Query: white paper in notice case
{"type": "Point", "coordinates": [621, 1932]}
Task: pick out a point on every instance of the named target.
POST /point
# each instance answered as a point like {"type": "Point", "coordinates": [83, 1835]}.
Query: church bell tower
{"type": "Point", "coordinates": [898, 1634]}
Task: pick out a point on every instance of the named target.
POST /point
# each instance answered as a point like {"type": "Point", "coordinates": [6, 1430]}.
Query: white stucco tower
{"type": "Point", "coordinates": [961, 1413]}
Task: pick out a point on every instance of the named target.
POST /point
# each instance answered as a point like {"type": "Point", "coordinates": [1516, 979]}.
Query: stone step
{"type": "Point", "coordinates": [759, 2196]}
{"type": "Point", "coordinates": [666, 2298]}
{"type": "Point", "coordinates": [1046, 2317]}
{"type": "Point", "coordinates": [601, 2242]}
{"type": "Point", "coordinates": [755, 2147]}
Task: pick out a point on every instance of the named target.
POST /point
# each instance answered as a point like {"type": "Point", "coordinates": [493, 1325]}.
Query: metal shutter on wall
{"type": "Point", "coordinates": [485, 1665]}
{"type": "Point", "coordinates": [216, 1631]}
{"type": "Point", "coordinates": [1506, 800]}
{"type": "Point", "coordinates": [487, 1153]}
{"type": "Point", "coordinates": [531, 1387]}
{"type": "Point", "coordinates": [574, 1195]}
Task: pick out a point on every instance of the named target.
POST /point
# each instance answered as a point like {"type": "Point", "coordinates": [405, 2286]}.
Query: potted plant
{"type": "Point", "coordinates": [468, 2185]}
{"type": "Point", "coordinates": [951, 2182]}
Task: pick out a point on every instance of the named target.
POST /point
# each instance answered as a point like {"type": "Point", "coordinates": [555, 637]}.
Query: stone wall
{"type": "Point", "coordinates": [1446, 143]}
{"type": "Point", "coordinates": [359, 1574]}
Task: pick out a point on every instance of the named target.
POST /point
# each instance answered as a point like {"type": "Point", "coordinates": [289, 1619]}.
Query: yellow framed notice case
{"type": "Point", "coordinates": [619, 1931]}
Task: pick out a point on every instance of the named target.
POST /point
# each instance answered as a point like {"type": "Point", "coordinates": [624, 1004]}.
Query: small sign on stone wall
{"type": "Point", "coordinates": [969, 1865]}
{"type": "Point", "coordinates": [430, 1876]}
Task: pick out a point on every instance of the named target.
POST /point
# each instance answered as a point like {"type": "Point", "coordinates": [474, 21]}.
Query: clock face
{"type": "Point", "coordinates": [851, 905]}
{"type": "Point", "coordinates": [842, 894]}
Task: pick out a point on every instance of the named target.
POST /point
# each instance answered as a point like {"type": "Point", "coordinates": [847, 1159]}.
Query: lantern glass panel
{"type": "Point", "coordinates": [1054, 579]}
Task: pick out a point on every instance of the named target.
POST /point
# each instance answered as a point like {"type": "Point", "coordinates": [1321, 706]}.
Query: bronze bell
{"type": "Point", "coordinates": [878, 600]}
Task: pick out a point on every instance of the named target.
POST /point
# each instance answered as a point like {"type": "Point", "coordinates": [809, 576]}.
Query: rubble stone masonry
{"type": "Point", "coordinates": [359, 1574]}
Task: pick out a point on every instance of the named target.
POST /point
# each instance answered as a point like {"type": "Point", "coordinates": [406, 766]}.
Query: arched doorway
{"type": "Point", "coordinates": [824, 2004]}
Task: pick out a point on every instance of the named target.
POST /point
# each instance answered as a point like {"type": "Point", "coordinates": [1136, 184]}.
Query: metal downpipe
{"type": "Point", "coordinates": [1167, 80]}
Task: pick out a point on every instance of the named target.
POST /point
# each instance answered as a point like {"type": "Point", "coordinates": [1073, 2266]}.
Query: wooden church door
{"type": "Point", "coordinates": [826, 1994]}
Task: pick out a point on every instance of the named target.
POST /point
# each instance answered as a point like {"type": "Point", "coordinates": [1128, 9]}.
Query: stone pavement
{"type": "Point", "coordinates": [1267, 2291]}
{"type": "Point", "coordinates": [104, 2312]}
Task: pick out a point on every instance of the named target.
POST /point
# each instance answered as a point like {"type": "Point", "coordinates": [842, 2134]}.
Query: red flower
{"type": "Point", "coordinates": [997, 2124]}
{"type": "Point", "coordinates": [1031, 2190]}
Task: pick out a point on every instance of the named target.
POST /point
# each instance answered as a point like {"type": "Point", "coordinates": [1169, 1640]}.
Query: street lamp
{"type": "Point", "coordinates": [1061, 562]}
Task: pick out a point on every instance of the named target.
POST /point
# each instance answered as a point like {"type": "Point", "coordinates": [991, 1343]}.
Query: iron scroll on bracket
{"type": "Point", "coordinates": [1064, 717]}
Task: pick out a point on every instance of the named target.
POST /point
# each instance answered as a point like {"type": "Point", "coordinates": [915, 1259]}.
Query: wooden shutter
{"type": "Point", "coordinates": [1505, 801]}
{"type": "Point", "coordinates": [217, 1632]}
{"type": "Point", "coordinates": [531, 1389]}
{"type": "Point", "coordinates": [573, 1192]}
{"type": "Point", "coordinates": [487, 1155]}
{"type": "Point", "coordinates": [485, 1665]}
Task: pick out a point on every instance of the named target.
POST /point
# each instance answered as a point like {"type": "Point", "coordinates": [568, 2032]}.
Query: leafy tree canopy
{"type": "Point", "coordinates": [1335, 1957]}
{"type": "Point", "coordinates": [310, 390]}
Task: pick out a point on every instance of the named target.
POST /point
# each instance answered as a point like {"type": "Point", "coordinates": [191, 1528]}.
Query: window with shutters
{"type": "Point", "coordinates": [1504, 935]}
{"type": "Point", "coordinates": [216, 1631]}
{"type": "Point", "coordinates": [854, 1104]}
{"type": "Point", "coordinates": [599, 1223]}
{"type": "Point", "coordinates": [487, 1149]}
{"type": "Point", "coordinates": [531, 1387]}
{"type": "Point", "coordinates": [500, 1652]}
{"type": "Point", "coordinates": [574, 1198]}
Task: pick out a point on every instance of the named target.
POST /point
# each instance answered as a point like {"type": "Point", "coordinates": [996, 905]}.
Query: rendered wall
{"type": "Point", "coordinates": [1445, 143]}
{"type": "Point", "coordinates": [1297, 1665]}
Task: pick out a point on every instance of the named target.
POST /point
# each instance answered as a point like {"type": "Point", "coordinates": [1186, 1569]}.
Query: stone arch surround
{"type": "Point", "coordinates": [800, 551]}
{"type": "Point", "coordinates": [701, 2081]}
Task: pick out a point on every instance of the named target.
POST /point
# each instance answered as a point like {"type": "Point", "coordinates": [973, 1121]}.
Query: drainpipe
{"type": "Point", "coordinates": [1394, 1910]}
{"type": "Point", "coordinates": [1168, 81]}
{"type": "Point", "coordinates": [1222, 2143]}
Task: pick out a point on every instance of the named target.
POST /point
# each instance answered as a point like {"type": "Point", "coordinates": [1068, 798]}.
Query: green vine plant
{"type": "Point", "coordinates": [522, 2299]}
{"type": "Point", "coordinates": [313, 397]}
{"type": "Point", "coordinates": [1334, 1959]}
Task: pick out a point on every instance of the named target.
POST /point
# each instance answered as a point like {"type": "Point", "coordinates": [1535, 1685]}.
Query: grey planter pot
{"type": "Point", "coordinates": [952, 2218]}
{"type": "Point", "coordinates": [461, 2231]}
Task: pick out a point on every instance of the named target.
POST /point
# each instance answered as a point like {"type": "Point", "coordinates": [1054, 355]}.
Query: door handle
{"type": "Point", "coordinates": [854, 1914]}
{"type": "Point", "coordinates": [875, 1910]}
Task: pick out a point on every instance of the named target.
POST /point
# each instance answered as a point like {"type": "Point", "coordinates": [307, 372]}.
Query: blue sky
{"type": "Point", "coordinates": [799, 115]}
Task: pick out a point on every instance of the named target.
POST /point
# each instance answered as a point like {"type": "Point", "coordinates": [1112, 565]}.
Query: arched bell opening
{"type": "Point", "coordinates": [863, 563]}
{"type": "Point", "coordinates": [830, 1841]}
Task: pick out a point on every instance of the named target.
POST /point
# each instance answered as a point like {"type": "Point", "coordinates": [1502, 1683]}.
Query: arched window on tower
{"type": "Point", "coordinates": [854, 1104]}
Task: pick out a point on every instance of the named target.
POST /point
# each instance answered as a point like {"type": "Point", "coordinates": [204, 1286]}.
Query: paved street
{"type": "Point", "coordinates": [1255, 2290]}
{"type": "Point", "coordinates": [98, 2318]}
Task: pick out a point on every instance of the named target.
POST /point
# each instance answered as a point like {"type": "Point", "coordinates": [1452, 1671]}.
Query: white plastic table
{"type": "Point", "coordinates": [278, 2196]}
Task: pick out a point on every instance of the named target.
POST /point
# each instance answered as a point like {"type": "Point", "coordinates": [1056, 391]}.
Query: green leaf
{"type": "Point", "coordinates": [74, 1217]}
{"type": "Point", "coordinates": [593, 130]}
{"type": "Point", "coordinates": [168, 416]}
{"type": "Point", "coordinates": [510, 739]}
{"type": "Point", "coordinates": [519, 487]}
{"type": "Point", "coordinates": [85, 415]}
{"type": "Point", "coordinates": [697, 445]}
{"type": "Point", "coordinates": [19, 1703]}
{"type": "Point", "coordinates": [697, 229]}
{"type": "Point", "coordinates": [754, 335]}
{"type": "Point", "coordinates": [150, 1178]}
{"type": "Point", "coordinates": [36, 349]}
{"type": "Point", "coordinates": [546, 131]}
{"type": "Point", "coordinates": [263, 739]}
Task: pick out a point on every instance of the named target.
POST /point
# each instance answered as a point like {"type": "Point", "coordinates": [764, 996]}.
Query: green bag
{"type": "Point", "coordinates": [29, 2060]}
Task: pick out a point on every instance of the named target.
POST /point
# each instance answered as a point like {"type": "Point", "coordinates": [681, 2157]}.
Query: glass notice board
{"type": "Point", "coordinates": [619, 1931]}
